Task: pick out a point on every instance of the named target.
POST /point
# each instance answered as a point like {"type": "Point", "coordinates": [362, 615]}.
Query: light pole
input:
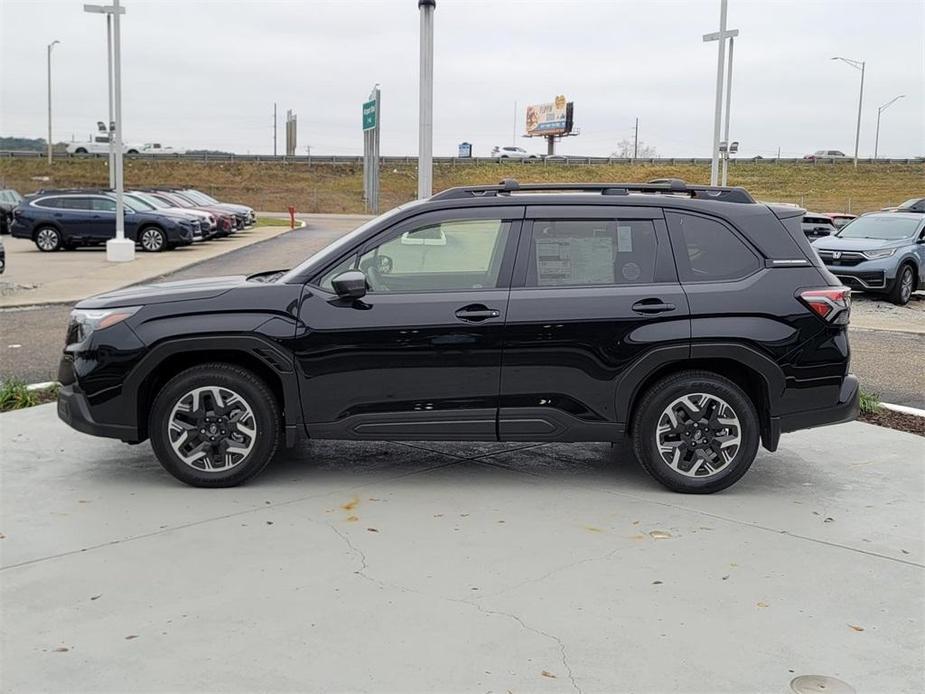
{"type": "Point", "coordinates": [721, 37]}
{"type": "Point", "coordinates": [728, 104]}
{"type": "Point", "coordinates": [50, 46]}
{"type": "Point", "coordinates": [118, 249]}
{"type": "Point", "coordinates": [107, 10]}
{"type": "Point", "coordinates": [426, 115]}
{"type": "Point", "coordinates": [880, 110]}
{"type": "Point", "coordinates": [857, 65]}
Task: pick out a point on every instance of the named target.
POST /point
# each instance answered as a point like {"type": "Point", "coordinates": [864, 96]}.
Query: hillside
{"type": "Point", "coordinates": [338, 188]}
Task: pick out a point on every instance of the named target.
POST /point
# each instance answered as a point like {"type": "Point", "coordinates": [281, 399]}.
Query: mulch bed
{"type": "Point", "coordinates": [910, 423]}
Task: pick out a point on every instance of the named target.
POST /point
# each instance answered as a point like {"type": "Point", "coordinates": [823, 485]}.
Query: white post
{"type": "Point", "coordinates": [119, 249]}
{"type": "Point", "coordinates": [728, 102]}
{"type": "Point", "coordinates": [50, 46]}
{"type": "Point", "coordinates": [880, 110]}
{"type": "Point", "coordinates": [112, 151]}
{"type": "Point", "coordinates": [426, 124]}
{"type": "Point", "coordinates": [720, 60]}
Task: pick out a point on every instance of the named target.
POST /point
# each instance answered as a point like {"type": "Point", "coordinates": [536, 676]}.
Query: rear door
{"type": "Point", "coordinates": [595, 288]}
{"type": "Point", "coordinates": [103, 219]}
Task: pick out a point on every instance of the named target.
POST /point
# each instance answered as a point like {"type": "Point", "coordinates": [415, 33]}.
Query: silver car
{"type": "Point", "coordinates": [882, 253]}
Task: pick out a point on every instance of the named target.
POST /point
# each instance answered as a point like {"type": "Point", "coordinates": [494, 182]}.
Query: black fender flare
{"type": "Point", "coordinates": [264, 350]}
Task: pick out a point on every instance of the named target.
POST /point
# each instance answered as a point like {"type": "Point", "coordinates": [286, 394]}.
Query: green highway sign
{"type": "Point", "coordinates": [370, 115]}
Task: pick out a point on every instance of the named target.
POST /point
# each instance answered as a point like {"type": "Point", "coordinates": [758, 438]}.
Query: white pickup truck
{"type": "Point", "coordinates": [99, 145]}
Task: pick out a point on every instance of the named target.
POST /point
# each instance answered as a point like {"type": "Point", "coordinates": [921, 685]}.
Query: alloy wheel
{"type": "Point", "coordinates": [47, 239]}
{"type": "Point", "coordinates": [212, 429]}
{"type": "Point", "coordinates": [905, 288]}
{"type": "Point", "coordinates": [152, 240]}
{"type": "Point", "coordinates": [698, 435]}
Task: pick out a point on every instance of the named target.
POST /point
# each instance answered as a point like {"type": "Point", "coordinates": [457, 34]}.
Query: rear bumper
{"type": "Point", "coordinates": [845, 410]}
{"type": "Point", "coordinates": [74, 410]}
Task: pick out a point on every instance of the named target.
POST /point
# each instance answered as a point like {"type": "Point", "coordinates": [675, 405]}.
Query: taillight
{"type": "Point", "coordinates": [833, 305]}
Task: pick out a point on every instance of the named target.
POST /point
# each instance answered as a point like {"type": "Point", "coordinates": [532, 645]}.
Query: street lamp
{"type": "Point", "coordinates": [102, 9]}
{"type": "Point", "coordinates": [857, 65]}
{"type": "Point", "coordinates": [721, 37]}
{"type": "Point", "coordinates": [880, 110]}
{"type": "Point", "coordinates": [50, 46]}
{"type": "Point", "coordinates": [426, 98]}
{"type": "Point", "coordinates": [118, 249]}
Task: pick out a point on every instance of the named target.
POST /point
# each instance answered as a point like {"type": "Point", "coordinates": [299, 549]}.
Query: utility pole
{"type": "Point", "coordinates": [721, 37]}
{"type": "Point", "coordinates": [50, 46]}
{"type": "Point", "coordinates": [426, 100]}
{"type": "Point", "coordinates": [636, 141]}
{"type": "Point", "coordinates": [274, 128]}
{"type": "Point", "coordinates": [880, 110]}
{"type": "Point", "coordinates": [857, 65]}
{"type": "Point", "coordinates": [728, 102]}
{"type": "Point", "coordinates": [112, 151]}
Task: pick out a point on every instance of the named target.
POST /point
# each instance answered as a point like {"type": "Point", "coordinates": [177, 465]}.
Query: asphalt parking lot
{"type": "Point", "coordinates": [357, 567]}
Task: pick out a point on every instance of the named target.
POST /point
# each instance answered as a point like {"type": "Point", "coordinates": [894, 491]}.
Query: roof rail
{"type": "Point", "coordinates": [669, 186]}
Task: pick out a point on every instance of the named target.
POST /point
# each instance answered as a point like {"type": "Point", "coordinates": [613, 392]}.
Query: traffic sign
{"type": "Point", "coordinates": [370, 115]}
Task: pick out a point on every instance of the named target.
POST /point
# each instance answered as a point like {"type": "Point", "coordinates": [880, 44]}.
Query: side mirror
{"type": "Point", "coordinates": [350, 284]}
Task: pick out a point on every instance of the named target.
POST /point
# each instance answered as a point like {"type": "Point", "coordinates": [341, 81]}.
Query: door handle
{"type": "Point", "coordinates": [476, 312]}
{"type": "Point", "coordinates": [652, 306]}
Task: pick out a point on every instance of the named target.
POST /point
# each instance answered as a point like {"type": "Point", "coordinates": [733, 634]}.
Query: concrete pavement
{"type": "Point", "coordinates": [379, 567]}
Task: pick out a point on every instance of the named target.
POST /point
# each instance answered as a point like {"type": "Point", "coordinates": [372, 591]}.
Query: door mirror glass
{"type": "Point", "coordinates": [350, 284]}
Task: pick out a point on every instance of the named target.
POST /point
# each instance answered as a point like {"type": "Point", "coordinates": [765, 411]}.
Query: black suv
{"type": "Point", "coordinates": [692, 319]}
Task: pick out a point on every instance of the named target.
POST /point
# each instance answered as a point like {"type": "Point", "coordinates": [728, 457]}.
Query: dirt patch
{"type": "Point", "coordinates": [901, 421]}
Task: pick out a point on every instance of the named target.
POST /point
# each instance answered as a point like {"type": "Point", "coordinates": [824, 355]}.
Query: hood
{"type": "Point", "coordinates": [162, 292]}
{"type": "Point", "coordinates": [837, 243]}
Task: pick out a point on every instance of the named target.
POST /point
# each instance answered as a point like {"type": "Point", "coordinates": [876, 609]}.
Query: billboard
{"type": "Point", "coordinates": [549, 119]}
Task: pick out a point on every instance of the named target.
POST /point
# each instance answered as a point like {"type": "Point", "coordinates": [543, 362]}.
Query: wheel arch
{"type": "Point", "coordinates": [253, 353]}
{"type": "Point", "coordinates": [38, 226]}
{"type": "Point", "coordinates": [761, 379]}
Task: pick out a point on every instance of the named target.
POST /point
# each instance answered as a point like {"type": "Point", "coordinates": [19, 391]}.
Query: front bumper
{"type": "Point", "coordinates": [74, 410]}
{"type": "Point", "coordinates": [872, 275]}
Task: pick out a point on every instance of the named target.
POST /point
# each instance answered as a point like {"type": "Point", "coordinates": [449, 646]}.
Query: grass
{"type": "Point", "coordinates": [272, 222]}
{"type": "Point", "coordinates": [869, 403]}
{"type": "Point", "coordinates": [339, 188]}
{"type": "Point", "coordinates": [16, 395]}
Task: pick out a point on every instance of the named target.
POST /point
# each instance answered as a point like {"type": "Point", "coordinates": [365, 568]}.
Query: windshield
{"type": "Point", "coordinates": [193, 195]}
{"type": "Point", "coordinates": [202, 196]}
{"type": "Point", "coordinates": [335, 249]}
{"type": "Point", "coordinates": [139, 204]}
{"type": "Point", "coordinates": [886, 227]}
{"type": "Point", "coordinates": [156, 203]}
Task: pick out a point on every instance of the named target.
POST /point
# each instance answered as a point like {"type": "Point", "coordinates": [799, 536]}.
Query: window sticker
{"type": "Point", "coordinates": [624, 239]}
{"type": "Point", "coordinates": [587, 260]}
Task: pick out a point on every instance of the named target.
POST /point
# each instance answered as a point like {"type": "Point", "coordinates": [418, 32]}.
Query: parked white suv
{"type": "Point", "coordinates": [510, 152]}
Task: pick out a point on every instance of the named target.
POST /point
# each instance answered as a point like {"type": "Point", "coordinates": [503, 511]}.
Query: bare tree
{"type": "Point", "coordinates": [625, 150]}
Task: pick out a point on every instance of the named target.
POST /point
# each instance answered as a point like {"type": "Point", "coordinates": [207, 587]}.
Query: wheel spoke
{"type": "Point", "coordinates": [698, 434]}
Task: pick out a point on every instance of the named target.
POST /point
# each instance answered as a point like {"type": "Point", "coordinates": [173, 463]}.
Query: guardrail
{"type": "Point", "coordinates": [452, 161]}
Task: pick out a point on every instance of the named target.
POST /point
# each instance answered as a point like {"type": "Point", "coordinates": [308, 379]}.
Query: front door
{"type": "Point", "coordinates": [594, 290]}
{"type": "Point", "coordinates": [419, 357]}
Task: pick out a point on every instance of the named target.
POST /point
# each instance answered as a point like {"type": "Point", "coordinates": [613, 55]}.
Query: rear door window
{"type": "Point", "coordinates": [706, 250]}
{"type": "Point", "coordinates": [103, 205]}
{"type": "Point", "coordinates": [75, 203]}
{"type": "Point", "coordinates": [587, 252]}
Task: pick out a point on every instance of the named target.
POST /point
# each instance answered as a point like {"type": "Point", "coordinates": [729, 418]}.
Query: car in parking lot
{"type": "Point", "coordinates": [173, 197]}
{"type": "Point", "coordinates": [840, 219]}
{"type": "Point", "coordinates": [691, 319]}
{"type": "Point", "coordinates": [882, 253]}
{"type": "Point", "coordinates": [826, 154]}
{"type": "Point", "coordinates": [816, 225]}
{"type": "Point", "coordinates": [9, 199]}
{"type": "Point", "coordinates": [250, 217]}
{"type": "Point", "coordinates": [65, 219]}
{"type": "Point", "coordinates": [911, 205]}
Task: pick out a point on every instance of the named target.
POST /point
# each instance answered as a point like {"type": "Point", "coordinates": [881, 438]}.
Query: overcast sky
{"type": "Point", "coordinates": [205, 74]}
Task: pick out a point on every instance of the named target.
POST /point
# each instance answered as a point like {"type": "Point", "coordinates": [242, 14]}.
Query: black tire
{"type": "Point", "coordinates": [132, 151]}
{"type": "Point", "coordinates": [652, 408]}
{"type": "Point", "coordinates": [80, 150]}
{"type": "Point", "coordinates": [903, 285]}
{"type": "Point", "coordinates": [48, 239]}
{"type": "Point", "coordinates": [152, 239]}
{"type": "Point", "coordinates": [264, 419]}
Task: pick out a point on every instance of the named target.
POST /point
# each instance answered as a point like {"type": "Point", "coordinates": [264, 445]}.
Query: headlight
{"type": "Point", "coordinates": [882, 253]}
{"type": "Point", "coordinates": [84, 322]}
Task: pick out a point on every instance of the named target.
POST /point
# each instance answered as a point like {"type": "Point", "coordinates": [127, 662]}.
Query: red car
{"type": "Point", "coordinates": [840, 219]}
{"type": "Point", "coordinates": [227, 223]}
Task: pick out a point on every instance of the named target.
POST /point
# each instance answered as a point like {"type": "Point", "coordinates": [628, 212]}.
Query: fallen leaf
{"type": "Point", "coordinates": [546, 673]}
{"type": "Point", "coordinates": [96, 597]}
{"type": "Point", "coordinates": [660, 535]}
{"type": "Point", "coordinates": [83, 501]}
{"type": "Point", "coordinates": [131, 636]}
{"type": "Point", "coordinates": [463, 515]}
{"type": "Point", "coordinates": [3, 537]}
{"type": "Point", "coordinates": [828, 520]}
{"type": "Point", "coordinates": [352, 519]}
{"type": "Point", "coordinates": [267, 503]}
{"type": "Point", "coordinates": [635, 522]}
{"type": "Point", "coordinates": [592, 529]}
{"type": "Point", "coordinates": [501, 521]}
{"type": "Point", "coordinates": [269, 522]}
{"type": "Point", "coordinates": [438, 515]}
{"type": "Point", "coordinates": [904, 551]}
{"type": "Point", "coordinates": [856, 627]}
{"type": "Point", "coordinates": [372, 498]}
{"type": "Point", "coordinates": [350, 505]}
{"type": "Point", "coordinates": [656, 583]}
{"type": "Point", "coordinates": [372, 530]}
{"type": "Point", "coordinates": [725, 578]}
{"type": "Point", "coordinates": [62, 649]}
{"type": "Point", "coordinates": [762, 604]}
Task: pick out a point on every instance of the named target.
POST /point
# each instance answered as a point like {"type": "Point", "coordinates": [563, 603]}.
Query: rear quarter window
{"type": "Point", "coordinates": [706, 250]}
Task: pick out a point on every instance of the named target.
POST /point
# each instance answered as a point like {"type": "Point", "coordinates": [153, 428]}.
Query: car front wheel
{"type": "Point", "coordinates": [696, 432]}
{"type": "Point", "coordinates": [152, 240]}
{"type": "Point", "coordinates": [903, 286]}
{"type": "Point", "coordinates": [215, 425]}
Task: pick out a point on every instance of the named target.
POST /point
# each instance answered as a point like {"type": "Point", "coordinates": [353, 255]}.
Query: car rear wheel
{"type": "Point", "coordinates": [152, 240]}
{"type": "Point", "coordinates": [215, 425]}
{"type": "Point", "coordinates": [48, 239]}
{"type": "Point", "coordinates": [696, 432]}
{"type": "Point", "coordinates": [903, 286]}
